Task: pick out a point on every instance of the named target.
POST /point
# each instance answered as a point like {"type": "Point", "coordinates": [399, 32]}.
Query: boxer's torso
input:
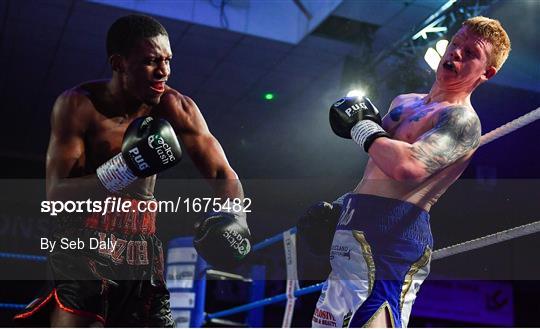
{"type": "Point", "coordinates": [106, 122]}
{"type": "Point", "coordinates": [408, 121]}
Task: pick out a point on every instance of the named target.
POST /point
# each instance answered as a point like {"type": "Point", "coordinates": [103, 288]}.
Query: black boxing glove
{"type": "Point", "coordinates": [223, 239]}
{"type": "Point", "coordinates": [317, 227]}
{"type": "Point", "coordinates": [357, 118]}
{"type": "Point", "coordinates": [150, 146]}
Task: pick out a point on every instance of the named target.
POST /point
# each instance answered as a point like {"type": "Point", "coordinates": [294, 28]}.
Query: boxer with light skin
{"type": "Point", "coordinates": [111, 137]}
{"type": "Point", "coordinates": [416, 152]}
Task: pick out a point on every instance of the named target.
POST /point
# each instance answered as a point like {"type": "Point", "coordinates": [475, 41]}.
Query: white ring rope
{"type": "Point", "coordinates": [510, 126]}
{"type": "Point", "coordinates": [506, 234]}
{"type": "Point", "coordinates": [487, 240]}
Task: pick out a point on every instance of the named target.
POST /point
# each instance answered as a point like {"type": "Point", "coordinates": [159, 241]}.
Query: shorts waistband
{"type": "Point", "coordinates": [128, 222]}
{"type": "Point", "coordinates": [391, 217]}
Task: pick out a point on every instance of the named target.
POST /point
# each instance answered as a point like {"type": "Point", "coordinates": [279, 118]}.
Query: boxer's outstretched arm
{"type": "Point", "coordinates": [66, 153]}
{"type": "Point", "coordinates": [456, 133]}
{"type": "Point", "coordinates": [203, 148]}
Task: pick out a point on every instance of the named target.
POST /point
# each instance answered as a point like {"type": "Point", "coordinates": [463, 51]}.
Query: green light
{"type": "Point", "coordinates": [269, 96]}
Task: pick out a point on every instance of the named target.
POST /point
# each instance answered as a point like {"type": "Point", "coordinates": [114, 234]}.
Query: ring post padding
{"type": "Point", "coordinates": [255, 316]}
{"type": "Point", "coordinates": [186, 281]}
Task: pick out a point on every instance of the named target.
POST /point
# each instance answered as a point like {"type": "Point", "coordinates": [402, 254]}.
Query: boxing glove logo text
{"type": "Point", "coordinates": [355, 108]}
{"type": "Point", "coordinates": [163, 150]}
{"type": "Point", "coordinates": [237, 242]}
{"type": "Point", "coordinates": [139, 160]}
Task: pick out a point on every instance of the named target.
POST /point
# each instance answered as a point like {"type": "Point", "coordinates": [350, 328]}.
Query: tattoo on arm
{"type": "Point", "coordinates": [456, 133]}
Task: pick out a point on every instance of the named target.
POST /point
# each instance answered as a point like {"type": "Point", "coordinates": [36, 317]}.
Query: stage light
{"type": "Point", "coordinates": [356, 92]}
{"type": "Point", "coordinates": [433, 56]}
{"type": "Point", "coordinates": [269, 96]}
{"type": "Point", "coordinates": [441, 46]}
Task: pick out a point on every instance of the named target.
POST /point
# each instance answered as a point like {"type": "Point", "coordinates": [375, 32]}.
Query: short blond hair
{"type": "Point", "coordinates": [492, 31]}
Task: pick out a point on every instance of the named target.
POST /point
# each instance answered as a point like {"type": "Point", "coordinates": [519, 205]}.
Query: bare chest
{"type": "Point", "coordinates": [104, 139]}
{"type": "Point", "coordinates": [408, 123]}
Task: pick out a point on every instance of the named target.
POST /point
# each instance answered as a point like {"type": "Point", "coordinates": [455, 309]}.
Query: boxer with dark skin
{"type": "Point", "coordinates": [89, 122]}
{"type": "Point", "coordinates": [88, 126]}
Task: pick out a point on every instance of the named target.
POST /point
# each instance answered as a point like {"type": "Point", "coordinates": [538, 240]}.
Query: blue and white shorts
{"type": "Point", "coordinates": [380, 256]}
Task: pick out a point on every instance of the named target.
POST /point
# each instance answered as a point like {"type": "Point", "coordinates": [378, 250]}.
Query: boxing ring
{"type": "Point", "coordinates": [438, 254]}
{"type": "Point", "coordinates": [288, 238]}
{"type": "Point", "coordinates": [290, 296]}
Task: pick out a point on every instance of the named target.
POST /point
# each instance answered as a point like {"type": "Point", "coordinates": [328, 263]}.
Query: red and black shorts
{"type": "Point", "coordinates": [115, 276]}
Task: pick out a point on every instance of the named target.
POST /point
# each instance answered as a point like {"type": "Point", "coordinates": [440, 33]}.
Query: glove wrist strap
{"type": "Point", "coordinates": [365, 132]}
{"type": "Point", "coordinates": [114, 174]}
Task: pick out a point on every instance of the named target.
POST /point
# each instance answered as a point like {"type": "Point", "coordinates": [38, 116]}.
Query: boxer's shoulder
{"type": "Point", "coordinates": [74, 99]}
{"type": "Point", "coordinates": [458, 115]}
{"type": "Point", "coordinates": [172, 100]}
{"type": "Point", "coordinates": [181, 111]}
{"type": "Point", "coordinates": [462, 122]}
{"type": "Point", "coordinates": [74, 107]}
